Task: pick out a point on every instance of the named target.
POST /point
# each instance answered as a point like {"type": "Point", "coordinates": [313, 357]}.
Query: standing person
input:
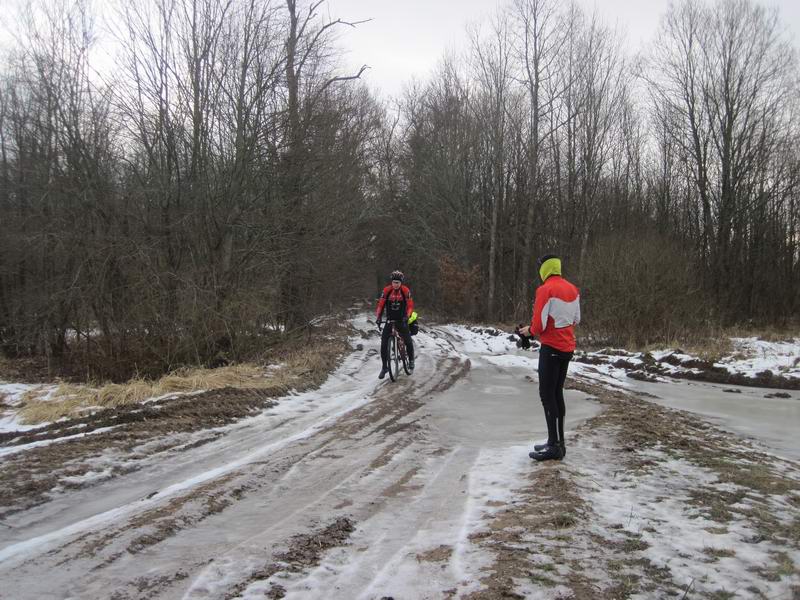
{"type": "Point", "coordinates": [556, 311]}
{"type": "Point", "coordinates": [396, 300]}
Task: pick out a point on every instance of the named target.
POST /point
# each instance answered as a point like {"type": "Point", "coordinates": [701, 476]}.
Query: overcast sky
{"type": "Point", "coordinates": [406, 38]}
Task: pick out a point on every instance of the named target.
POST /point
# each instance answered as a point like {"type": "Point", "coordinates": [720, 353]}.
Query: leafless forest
{"type": "Point", "coordinates": [224, 179]}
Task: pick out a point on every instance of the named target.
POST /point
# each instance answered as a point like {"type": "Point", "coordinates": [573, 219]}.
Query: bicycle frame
{"type": "Point", "coordinates": [397, 352]}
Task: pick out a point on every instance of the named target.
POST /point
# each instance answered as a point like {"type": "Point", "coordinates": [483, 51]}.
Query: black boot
{"type": "Point", "coordinates": [410, 364]}
{"type": "Point", "coordinates": [383, 373]}
{"type": "Point", "coordinates": [549, 453]}
{"type": "Point", "coordinates": [540, 447]}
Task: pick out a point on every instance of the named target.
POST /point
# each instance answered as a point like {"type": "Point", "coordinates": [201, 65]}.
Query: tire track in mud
{"type": "Point", "coordinates": [28, 478]}
{"type": "Point", "coordinates": [382, 417]}
{"type": "Point", "coordinates": [158, 523]}
{"type": "Point", "coordinates": [426, 498]}
{"type": "Point", "coordinates": [132, 434]}
{"type": "Point", "coordinates": [154, 447]}
{"type": "Point", "coordinates": [376, 432]}
{"type": "Point", "coordinates": [404, 484]}
{"type": "Point", "coordinates": [304, 551]}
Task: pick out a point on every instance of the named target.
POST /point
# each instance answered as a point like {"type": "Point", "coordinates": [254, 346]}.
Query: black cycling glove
{"type": "Point", "coordinates": [524, 341]}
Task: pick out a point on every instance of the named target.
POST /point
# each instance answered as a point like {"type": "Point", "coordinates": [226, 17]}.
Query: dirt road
{"type": "Point", "coordinates": [385, 466]}
{"type": "Point", "coordinates": [360, 489]}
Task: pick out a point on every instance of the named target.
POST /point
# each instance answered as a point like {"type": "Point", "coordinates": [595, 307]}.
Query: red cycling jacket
{"type": "Point", "coordinates": [393, 300]}
{"type": "Point", "coordinates": [556, 311]}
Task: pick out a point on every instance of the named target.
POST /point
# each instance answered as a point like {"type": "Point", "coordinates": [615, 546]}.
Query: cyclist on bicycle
{"type": "Point", "coordinates": [396, 299]}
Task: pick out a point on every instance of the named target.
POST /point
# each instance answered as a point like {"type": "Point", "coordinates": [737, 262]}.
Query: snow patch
{"type": "Point", "coordinates": [9, 450]}
{"type": "Point", "coordinates": [482, 340]}
{"type": "Point", "coordinates": [88, 477]}
{"type": "Point", "coordinates": [513, 360]}
{"type": "Point", "coordinates": [655, 507]}
{"type": "Point", "coordinates": [752, 356]}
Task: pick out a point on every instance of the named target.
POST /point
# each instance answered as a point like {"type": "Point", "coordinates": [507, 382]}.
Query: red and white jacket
{"type": "Point", "coordinates": [394, 301]}
{"type": "Point", "coordinates": [556, 311]}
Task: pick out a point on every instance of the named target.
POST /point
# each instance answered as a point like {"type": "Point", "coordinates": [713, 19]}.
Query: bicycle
{"type": "Point", "coordinates": [397, 353]}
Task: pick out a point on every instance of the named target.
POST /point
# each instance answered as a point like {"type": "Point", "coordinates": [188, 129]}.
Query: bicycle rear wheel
{"type": "Point", "coordinates": [404, 356]}
{"type": "Point", "coordinates": [392, 358]}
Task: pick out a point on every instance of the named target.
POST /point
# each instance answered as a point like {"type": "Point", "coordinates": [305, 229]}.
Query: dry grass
{"type": "Point", "coordinates": [714, 554]}
{"type": "Point", "coordinates": [768, 334]}
{"type": "Point", "coordinates": [717, 343]}
{"type": "Point", "coordinates": [781, 566]}
{"type": "Point", "coordinates": [712, 349]}
{"type": "Point", "coordinates": [298, 370]}
{"type": "Point", "coordinates": [305, 361]}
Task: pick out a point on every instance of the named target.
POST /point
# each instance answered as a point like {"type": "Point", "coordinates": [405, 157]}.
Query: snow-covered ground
{"type": "Point", "coordinates": [750, 358]}
{"type": "Point", "coordinates": [703, 553]}
{"type": "Point", "coordinates": [770, 416]}
{"type": "Point", "coordinates": [11, 395]}
{"type": "Point", "coordinates": [427, 470]}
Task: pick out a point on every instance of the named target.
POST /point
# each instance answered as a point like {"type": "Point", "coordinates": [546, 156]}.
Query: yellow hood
{"type": "Point", "coordinates": [552, 266]}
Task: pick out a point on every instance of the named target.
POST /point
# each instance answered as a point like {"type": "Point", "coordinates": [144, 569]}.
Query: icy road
{"type": "Point", "coordinates": [423, 489]}
{"type": "Point", "coordinates": [413, 466]}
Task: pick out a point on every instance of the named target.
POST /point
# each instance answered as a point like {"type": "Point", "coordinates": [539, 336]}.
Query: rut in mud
{"type": "Point", "coordinates": [419, 488]}
{"type": "Point", "coordinates": [28, 477]}
{"type": "Point", "coordinates": [292, 479]}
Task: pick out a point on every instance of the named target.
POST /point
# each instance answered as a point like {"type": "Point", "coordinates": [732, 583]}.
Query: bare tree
{"type": "Point", "coordinates": [57, 142]}
{"type": "Point", "coordinates": [724, 72]}
{"type": "Point", "coordinates": [493, 72]}
{"type": "Point", "coordinates": [307, 80]}
{"type": "Point", "coordinates": [538, 43]}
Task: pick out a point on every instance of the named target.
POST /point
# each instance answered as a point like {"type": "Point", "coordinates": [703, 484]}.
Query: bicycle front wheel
{"type": "Point", "coordinates": [393, 358]}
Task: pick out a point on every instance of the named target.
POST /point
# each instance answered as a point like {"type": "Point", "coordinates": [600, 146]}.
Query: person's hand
{"type": "Point", "coordinates": [524, 341]}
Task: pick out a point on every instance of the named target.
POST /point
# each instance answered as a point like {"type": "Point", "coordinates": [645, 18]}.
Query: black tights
{"type": "Point", "coordinates": [553, 366]}
{"type": "Point", "coordinates": [402, 327]}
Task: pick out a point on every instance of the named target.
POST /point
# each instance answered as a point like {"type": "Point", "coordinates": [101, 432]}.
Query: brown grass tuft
{"type": "Point", "coordinates": [714, 554]}
{"type": "Point", "coordinates": [712, 349]}
{"type": "Point", "coordinates": [715, 344]}
{"type": "Point", "coordinates": [32, 395]}
{"type": "Point", "coordinates": [299, 369]}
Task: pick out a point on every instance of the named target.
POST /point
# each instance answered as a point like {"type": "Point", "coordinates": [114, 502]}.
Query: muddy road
{"type": "Point", "coordinates": [393, 476]}
{"type": "Point", "coordinates": [416, 489]}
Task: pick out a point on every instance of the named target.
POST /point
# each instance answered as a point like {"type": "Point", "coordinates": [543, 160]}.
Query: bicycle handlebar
{"type": "Point", "coordinates": [379, 323]}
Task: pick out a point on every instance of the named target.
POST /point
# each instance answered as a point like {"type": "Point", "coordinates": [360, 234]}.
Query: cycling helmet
{"type": "Point", "coordinates": [396, 276]}
{"type": "Point", "coordinates": [543, 259]}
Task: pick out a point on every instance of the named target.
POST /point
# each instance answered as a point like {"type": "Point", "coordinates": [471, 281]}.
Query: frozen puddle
{"type": "Point", "coordinates": [746, 411]}
{"type": "Point", "coordinates": [497, 405]}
